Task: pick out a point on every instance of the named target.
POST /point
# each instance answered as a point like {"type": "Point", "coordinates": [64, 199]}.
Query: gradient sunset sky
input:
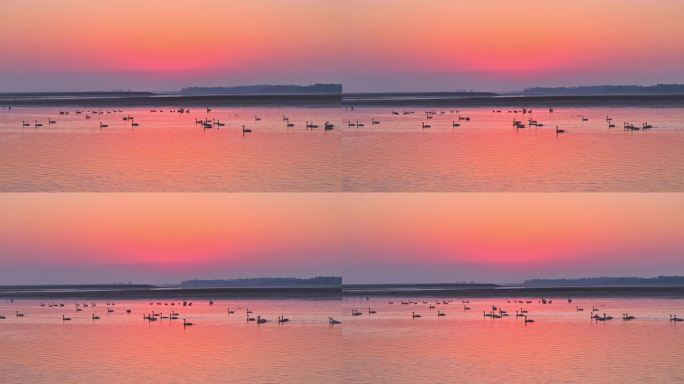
{"type": "Point", "coordinates": [395, 237]}
{"type": "Point", "coordinates": [377, 45]}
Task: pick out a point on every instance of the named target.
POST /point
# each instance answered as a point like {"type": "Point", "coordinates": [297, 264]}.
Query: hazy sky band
{"type": "Point", "coordinates": [366, 45]}
{"type": "Point", "coordinates": [395, 237]}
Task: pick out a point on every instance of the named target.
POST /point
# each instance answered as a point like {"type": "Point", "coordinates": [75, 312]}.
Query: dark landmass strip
{"type": "Point", "coordinates": [512, 102]}
{"type": "Point", "coordinates": [607, 281]}
{"type": "Point", "coordinates": [350, 287]}
{"type": "Point", "coordinates": [429, 100]}
{"type": "Point", "coordinates": [455, 291]}
{"type": "Point", "coordinates": [79, 95]}
{"type": "Point", "coordinates": [175, 101]}
{"type": "Point", "coordinates": [318, 281]}
{"type": "Point", "coordinates": [371, 95]}
{"type": "Point", "coordinates": [176, 293]}
{"type": "Point", "coordinates": [548, 292]}
{"type": "Point", "coordinates": [265, 89]}
{"type": "Point", "coordinates": [46, 287]}
{"type": "Point", "coordinates": [659, 89]}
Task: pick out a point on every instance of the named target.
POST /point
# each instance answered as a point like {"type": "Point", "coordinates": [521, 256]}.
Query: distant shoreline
{"type": "Point", "coordinates": [160, 293]}
{"type": "Point", "coordinates": [509, 101]}
{"type": "Point", "coordinates": [173, 101]}
{"type": "Point", "coordinates": [416, 99]}
{"type": "Point", "coordinates": [502, 291]}
{"type": "Point", "coordinates": [458, 291]}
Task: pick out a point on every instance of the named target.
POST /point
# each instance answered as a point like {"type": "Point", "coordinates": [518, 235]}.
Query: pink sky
{"type": "Point", "coordinates": [366, 45]}
{"type": "Point", "coordinates": [396, 237]}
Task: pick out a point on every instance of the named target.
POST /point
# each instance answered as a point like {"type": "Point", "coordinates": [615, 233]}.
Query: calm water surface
{"type": "Point", "coordinates": [124, 348]}
{"type": "Point", "coordinates": [169, 152]}
{"type": "Point", "coordinates": [562, 345]}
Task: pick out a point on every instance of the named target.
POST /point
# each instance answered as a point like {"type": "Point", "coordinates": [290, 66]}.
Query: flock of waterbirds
{"type": "Point", "coordinates": [152, 315]}
{"type": "Point", "coordinates": [209, 123]}
{"type": "Point", "coordinates": [206, 123]}
{"type": "Point", "coordinates": [495, 312]}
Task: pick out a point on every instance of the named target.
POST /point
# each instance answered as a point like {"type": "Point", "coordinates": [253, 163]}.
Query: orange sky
{"type": "Point", "coordinates": [366, 237]}
{"type": "Point", "coordinates": [367, 45]}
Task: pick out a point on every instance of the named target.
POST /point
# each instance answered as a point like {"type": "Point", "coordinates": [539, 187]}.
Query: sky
{"type": "Point", "coordinates": [366, 238]}
{"type": "Point", "coordinates": [376, 45]}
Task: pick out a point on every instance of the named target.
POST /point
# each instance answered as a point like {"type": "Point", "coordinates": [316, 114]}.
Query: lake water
{"type": "Point", "coordinates": [562, 345]}
{"type": "Point", "coordinates": [124, 348]}
{"type": "Point", "coordinates": [169, 152]}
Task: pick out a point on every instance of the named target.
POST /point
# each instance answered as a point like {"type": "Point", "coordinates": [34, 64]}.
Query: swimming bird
{"type": "Point", "coordinates": [64, 318]}
{"type": "Point", "coordinates": [186, 323]}
{"type": "Point", "coordinates": [675, 318]}
{"type": "Point", "coordinates": [332, 321]}
{"type": "Point", "coordinates": [37, 124]}
{"type": "Point", "coordinates": [19, 314]}
{"type": "Point", "coordinates": [282, 319]}
{"type": "Point", "coordinates": [629, 127]}
{"type": "Point", "coordinates": [455, 124]}
{"type": "Point", "coordinates": [425, 125]}
{"type": "Point", "coordinates": [602, 318]}
{"type": "Point", "coordinates": [414, 315]}
{"type": "Point", "coordinates": [440, 313]}
{"type": "Point", "coordinates": [528, 320]}
{"type": "Point", "coordinates": [103, 125]}
{"type": "Point", "coordinates": [627, 316]}
{"type": "Point", "coordinates": [559, 130]}
{"type": "Point", "coordinates": [260, 320]}
{"type": "Point", "coordinates": [95, 317]}
{"type": "Point", "coordinates": [356, 313]}
{"type": "Point", "coordinates": [25, 124]}
{"type": "Point", "coordinates": [245, 130]}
